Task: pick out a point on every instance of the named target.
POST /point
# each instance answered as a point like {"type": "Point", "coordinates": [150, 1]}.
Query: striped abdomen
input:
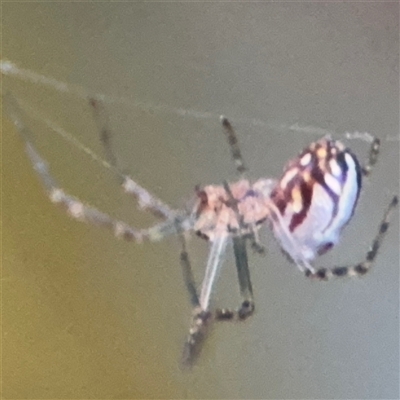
{"type": "Point", "coordinates": [316, 198]}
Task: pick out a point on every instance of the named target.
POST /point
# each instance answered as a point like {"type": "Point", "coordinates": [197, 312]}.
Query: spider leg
{"type": "Point", "coordinates": [373, 152]}
{"type": "Point", "coordinates": [240, 251]}
{"type": "Point", "coordinates": [201, 314]}
{"type": "Point", "coordinates": [255, 241]}
{"type": "Point", "coordinates": [213, 265]}
{"type": "Point", "coordinates": [285, 236]}
{"type": "Point", "coordinates": [372, 156]}
{"type": "Point", "coordinates": [364, 266]}
{"type": "Point", "coordinates": [246, 291]}
{"type": "Point", "coordinates": [187, 272]}
{"type": "Point", "coordinates": [145, 199]}
{"type": "Point", "coordinates": [242, 266]}
{"type": "Point", "coordinates": [77, 209]}
{"type": "Point", "coordinates": [198, 326]}
{"type": "Point", "coordinates": [101, 119]}
{"type": "Point", "coordinates": [234, 146]}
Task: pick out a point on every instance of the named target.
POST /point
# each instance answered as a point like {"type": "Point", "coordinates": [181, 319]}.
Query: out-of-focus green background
{"type": "Point", "coordinates": [88, 316]}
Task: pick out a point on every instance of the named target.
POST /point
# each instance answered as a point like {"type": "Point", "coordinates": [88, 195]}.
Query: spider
{"type": "Point", "coordinates": [307, 209]}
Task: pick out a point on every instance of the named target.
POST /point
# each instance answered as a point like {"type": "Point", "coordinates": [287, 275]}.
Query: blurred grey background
{"type": "Point", "coordinates": [88, 316]}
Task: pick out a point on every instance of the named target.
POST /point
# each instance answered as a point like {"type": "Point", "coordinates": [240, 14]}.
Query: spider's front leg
{"type": "Point", "coordinates": [145, 200]}
{"type": "Point", "coordinates": [82, 212]}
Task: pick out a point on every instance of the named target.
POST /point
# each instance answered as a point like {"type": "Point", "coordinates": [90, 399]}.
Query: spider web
{"type": "Point", "coordinates": [10, 69]}
{"type": "Point", "coordinates": [27, 76]}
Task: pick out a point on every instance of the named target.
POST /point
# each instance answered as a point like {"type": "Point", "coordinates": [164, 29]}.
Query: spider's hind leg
{"type": "Point", "coordinates": [372, 156]}
{"type": "Point", "coordinates": [373, 152]}
{"type": "Point", "coordinates": [364, 266]}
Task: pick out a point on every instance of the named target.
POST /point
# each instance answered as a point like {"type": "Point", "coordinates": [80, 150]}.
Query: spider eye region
{"type": "Point", "coordinates": [316, 197]}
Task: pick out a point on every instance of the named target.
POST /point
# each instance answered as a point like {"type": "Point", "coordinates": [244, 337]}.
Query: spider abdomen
{"type": "Point", "coordinates": [316, 198]}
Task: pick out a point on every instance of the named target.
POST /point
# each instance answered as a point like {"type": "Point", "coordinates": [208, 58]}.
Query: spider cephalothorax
{"type": "Point", "coordinates": [236, 208]}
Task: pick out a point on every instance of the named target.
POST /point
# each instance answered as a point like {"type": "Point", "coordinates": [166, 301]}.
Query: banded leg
{"type": "Point", "coordinates": [372, 156]}
{"type": "Point", "coordinates": [74, 207]}
{"type": "Point", "coordinates": [187, 271]}
{"type": "Point", "coordinates": [145, 199]}
{"type": "Point", "coordinates": [240, 251]}
{"type": "Point", "coordinates": [101, 119]}
{"type": "Point", "coordinates": [201, 315]}
{"type": "Point", "coordinates": [234, 146]}
{"type": "Point", "coordinates": [241, 170]}
{"type": "Point", "coordinates": [373, 152]}
{"type": "Point", "coordinates": [364, 266]}
{"type": "Point", "coordinates": [246, 291]}
{"type": "Point", "coordinates": [198, 326]}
